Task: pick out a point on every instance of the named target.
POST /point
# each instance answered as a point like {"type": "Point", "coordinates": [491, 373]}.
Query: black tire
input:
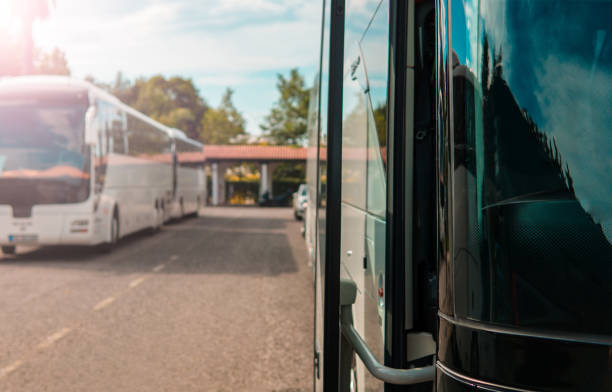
{"type": "Point", "coordinates": [197, 211]}
{"type": "Point", "coordinates": [8, 249]}
{"type": "Point", "coordinates": [155, 228]}
{"type": "Point", "coordinates": [198, 206]}
{"type": "Point", "coordinates": [108, 247]}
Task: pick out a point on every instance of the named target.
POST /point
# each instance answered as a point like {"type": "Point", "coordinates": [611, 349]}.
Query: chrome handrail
{"type": "Point", "coordinates": [381, 372]}
{"type": "Point", "coordinates": [384, 373]}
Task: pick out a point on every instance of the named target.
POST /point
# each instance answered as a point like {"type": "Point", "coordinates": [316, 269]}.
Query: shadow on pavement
{"type": "Point", "coordinates": [235, 244]}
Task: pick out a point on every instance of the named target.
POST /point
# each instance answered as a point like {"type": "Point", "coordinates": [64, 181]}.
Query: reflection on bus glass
{"type": "Point", "coordinates": [42, 153]}
{"type": "Point", "coordinates": [532, 160]}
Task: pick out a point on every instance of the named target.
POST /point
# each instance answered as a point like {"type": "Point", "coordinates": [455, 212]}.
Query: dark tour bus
{"type": "Point", "coordinates": [459, 211]}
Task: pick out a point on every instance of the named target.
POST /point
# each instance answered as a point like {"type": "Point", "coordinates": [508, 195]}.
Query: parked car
{"type": "Point", "coordinates": [281, 200]}
{"type": "Point", "coordinates": [299, 202]}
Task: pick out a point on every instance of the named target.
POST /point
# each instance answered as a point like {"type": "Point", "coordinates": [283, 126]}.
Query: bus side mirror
{"type": "Point", "coordinates": [91, 126]}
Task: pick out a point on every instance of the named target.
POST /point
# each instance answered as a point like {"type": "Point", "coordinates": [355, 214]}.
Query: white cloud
{"type": "Point", "coordinates": [220, 42]}
{"type": "Point", "coordinates": [151, 40]}
{"type": "Point", "coordinates": [232, 6]}
{"type": "Point", "coordinates": [579, 119]}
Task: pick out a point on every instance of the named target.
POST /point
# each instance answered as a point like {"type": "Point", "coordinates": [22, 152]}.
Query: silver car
{"type": "Point", "coordinates": [299, 202]}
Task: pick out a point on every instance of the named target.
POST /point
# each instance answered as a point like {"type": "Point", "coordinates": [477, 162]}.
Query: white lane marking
{"type": "Point", "coordinates": [174, 257]}
{"type": "Point", "coordinates": [54, 338]}
{"type": "Point", "coordinates": [104, 303]}
{"type": "Point", "coordinates": [159, 268]}
{"type": "Point", "coordinates": [10, 368]}
{"type": "Point", "coordinates": [136, 282]}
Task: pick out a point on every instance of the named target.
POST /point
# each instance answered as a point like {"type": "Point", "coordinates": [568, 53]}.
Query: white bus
{"type": "Point", "coordinates": [77, 166]}
{"type": "Point", "coordinates": [189, 181]}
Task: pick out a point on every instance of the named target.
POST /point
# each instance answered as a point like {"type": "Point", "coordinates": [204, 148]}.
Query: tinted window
{"type": "Point", "coordinates": [42, 156]}
{"type": "Point", "coordinates": [532, 85]}
{"type": "Point", "coordinates": [147, 141]}
{"type": "Point", "coordinates": [41, 136]}
{"type": "Point", "coordinates": [184, 149]}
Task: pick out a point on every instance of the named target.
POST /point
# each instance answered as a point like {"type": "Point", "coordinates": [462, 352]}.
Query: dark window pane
{"type": "Point", "coordinates": [532, 85]}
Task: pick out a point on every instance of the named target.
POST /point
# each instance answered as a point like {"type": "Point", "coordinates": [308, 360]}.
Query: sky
{"type": "Point", "coordinates": [242, 44]}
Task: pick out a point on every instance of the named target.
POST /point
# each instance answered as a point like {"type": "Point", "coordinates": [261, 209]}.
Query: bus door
{"type": "Point", "coordinates": [392, 298]}
{"type": "Point", "coordinates": [364, 178]}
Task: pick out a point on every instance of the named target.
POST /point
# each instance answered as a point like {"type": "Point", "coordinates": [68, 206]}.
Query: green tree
{"type": "Point", "coordinates": [180, 118]}
{"type": "Point", "coordinates": [223, 124]}
{"type": "Point", "coordinates": [288, 119]}
{"type": "Point", "coordinates": [53, 63]}
{"type": "Point", "coordinates": [380, 118]}
{"type": "Point", "coordinates": [126, 91]}
{"type": "Point", "coordinates": [287, 171]}
{"type": "Point", "coordinates": [175, 102]}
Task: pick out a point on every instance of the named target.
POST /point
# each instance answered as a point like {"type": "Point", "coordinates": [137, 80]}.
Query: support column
{"type": "Point", "coordinates": [269, 186]}
{"type": "Point", "coordinates": [263, 180]}
{"type": "Point", "coordinates": [215, 184]}
{"type": "Point", "coordinates": [221, 188]}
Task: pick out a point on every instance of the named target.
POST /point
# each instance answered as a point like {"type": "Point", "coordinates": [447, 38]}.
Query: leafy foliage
{"type": "Point", "coordinates": [45, 63]}
{"type": "Point", "coordinates": [53, 63]}
{"type": "Point", "coordinates": [380, 118]}
{"type": "Point", "coordinates": [175, 102]}
{"type": "Point", "coordinates": [290, 171]}
{"type": "Point", "coordinates": [224, 124]}
{"type": "Point", "coordinates": [287, 122]}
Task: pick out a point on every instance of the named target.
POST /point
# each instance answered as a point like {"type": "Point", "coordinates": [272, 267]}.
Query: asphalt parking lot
{"type": "Point", "coordinates": [222, 302]}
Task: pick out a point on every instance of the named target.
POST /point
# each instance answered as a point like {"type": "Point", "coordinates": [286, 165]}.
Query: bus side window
{"type": "Point", "coordinates": [100, 148]}
{"type": "Point", "coordinates": [117, 131]}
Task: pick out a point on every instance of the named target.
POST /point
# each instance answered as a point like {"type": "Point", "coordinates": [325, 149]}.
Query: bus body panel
{"type": "Point", "coordinates": [59, 224]}
{"type": "Point", "coordinates": [189, 185]}
{"type": "Point", "coordinates": [135, 185]}
{"type": "Point", "coordinates": [190, 190]}
{"type": "Point", "coordinates": [525, 157]}
{"type": "Point", "coordinates": [351, 256]}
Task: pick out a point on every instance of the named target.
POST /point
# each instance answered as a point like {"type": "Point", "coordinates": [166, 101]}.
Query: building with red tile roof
{"type": "Point", "coordinates": [245, 153]}
{"type": "Point", "coordinates": [220, 157]}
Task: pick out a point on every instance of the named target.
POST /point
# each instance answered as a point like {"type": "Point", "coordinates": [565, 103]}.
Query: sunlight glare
{"type": "Point", "coordinates": [8, 22]}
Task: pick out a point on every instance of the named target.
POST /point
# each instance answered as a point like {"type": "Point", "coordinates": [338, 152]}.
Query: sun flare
{"type": "Point", "coordinates": [9, 23]}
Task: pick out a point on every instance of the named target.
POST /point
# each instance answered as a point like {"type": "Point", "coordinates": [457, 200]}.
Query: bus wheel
{"type": "Point", "coordinates": [8, 249]}
{"type": "Point", "coordinates": [158, 220]}
{"type": "Point", "coordinates": [107, 247]}
{"type": "Point", "coordinates": [197, 211]}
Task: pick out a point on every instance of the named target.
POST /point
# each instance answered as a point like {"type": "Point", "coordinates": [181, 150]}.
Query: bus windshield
{"type": "Point", "coordinates": [42, 149]}
{"type": "Point", "coordinates": [531, 92]}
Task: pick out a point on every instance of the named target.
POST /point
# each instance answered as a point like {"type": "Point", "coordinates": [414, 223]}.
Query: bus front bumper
{"type": "Point", "coordinates": [47, 227]}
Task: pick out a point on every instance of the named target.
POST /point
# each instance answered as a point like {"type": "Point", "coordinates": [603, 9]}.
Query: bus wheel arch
{"type": "Point", "coordinates": [113, 232]}
{"type": "Point", "coordinates": [115, 225]}
{"type": "Point", "coordinates": [158, 219]}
